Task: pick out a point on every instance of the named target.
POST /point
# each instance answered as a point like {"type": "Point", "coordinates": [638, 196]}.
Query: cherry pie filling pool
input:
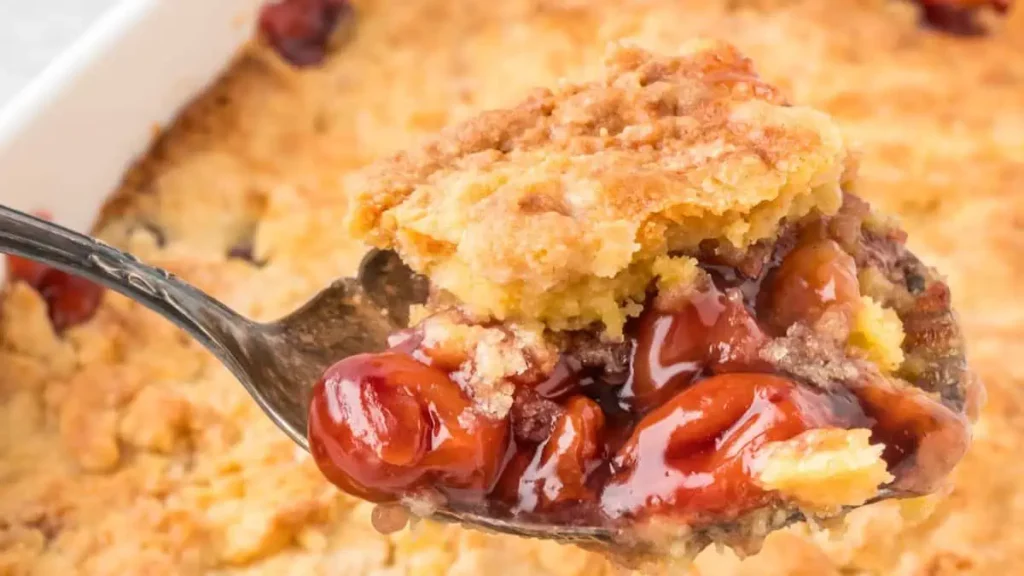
{"type": "Point", "coordinates": [671, 430]}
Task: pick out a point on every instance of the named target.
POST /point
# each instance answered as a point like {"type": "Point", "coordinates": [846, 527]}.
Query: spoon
{"type": "Point", "coordinates": [277, 362]}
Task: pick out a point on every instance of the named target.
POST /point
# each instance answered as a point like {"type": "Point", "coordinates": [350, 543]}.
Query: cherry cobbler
{"type": "Point", "coordinates": [575, 326]}
{"type": "Point", "coordinates": [658, 307]}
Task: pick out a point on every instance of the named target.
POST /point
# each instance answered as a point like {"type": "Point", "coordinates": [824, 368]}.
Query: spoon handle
{"type": "Point", "coordinates": [203, 317]}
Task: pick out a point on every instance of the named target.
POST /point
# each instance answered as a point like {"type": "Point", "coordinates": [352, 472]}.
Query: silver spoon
{"type": "Point", "coordinates": [277, 362]}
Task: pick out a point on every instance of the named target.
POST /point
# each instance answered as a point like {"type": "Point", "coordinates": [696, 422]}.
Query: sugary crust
{"type": "Point", "coordinates": [823, 470]}
{"type": "Point", "coordinates": [877, 335]}
{"type": "Point", "coordinates": [485, 359]}
{"type": "Point", "coordinates": [528, 212]}
{"type": "Point", "coordinates": [940, 121]}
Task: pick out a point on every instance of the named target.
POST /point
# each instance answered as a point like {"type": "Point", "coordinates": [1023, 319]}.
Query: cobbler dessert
{"type": "Point", "coordinates": [658, 308]}
{"type": "Point", "coordinates": [125, 448]}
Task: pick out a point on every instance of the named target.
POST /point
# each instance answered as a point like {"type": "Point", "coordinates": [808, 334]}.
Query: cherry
{"type": "Point", "coordinates": [383, 425]}
{"type": "Point", "coordinates": [811, 280]}
{"type": "Point", "coordinates": [707, 331]}
{"type": "Point", "coordinates": [28, 271]}
{"type": "Point", "coordinates": [959, 17]}
{"type": "Point", "coordinates": [300, 30]}
{"type": "Point", "coordinates": [689, 458]}
{"type": "Point", "coordinates": [670, 350]}
{"type": "Point", "coordinates": [558, 470]}
{"type": "Point", "coordinates": [70, 300]}
{"type": "Point", "coordinates": [923, 438]}
{"type": "Point", "coordinates": [735, 340]}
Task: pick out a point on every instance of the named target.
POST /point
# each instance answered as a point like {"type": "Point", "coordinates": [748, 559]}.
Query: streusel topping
{"type": "Point", "coordinates": [557, 208]}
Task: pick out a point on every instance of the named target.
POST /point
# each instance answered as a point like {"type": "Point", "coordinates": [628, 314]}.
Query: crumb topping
{"type": "Point", "coordinates": [555, 209]}
{"type": "Point", "coordinates": [825, 469]}
{"type": "Point", "coordinates": [485, 360]}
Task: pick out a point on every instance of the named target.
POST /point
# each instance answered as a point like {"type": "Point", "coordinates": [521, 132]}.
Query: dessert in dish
{"type": "Point", "coordinates": [126, 449]}
{"type": "Point", "coordinates": [653, 304]}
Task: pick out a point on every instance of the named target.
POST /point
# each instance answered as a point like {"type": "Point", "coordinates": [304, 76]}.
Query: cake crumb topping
{"type": "Point", "coordinates": [556, 209]}
{"type": "Point", "coordinates": [824, 469]}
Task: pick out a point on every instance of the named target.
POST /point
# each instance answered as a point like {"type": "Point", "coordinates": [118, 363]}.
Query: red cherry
{"type": "Point", "coordinates": [70, 300]}
{"type": "Point", "coordinates": [689, 457]}
{"type": "Point", "coordinates": [557, 472]}
{"type": "Point", "coordinates": [811, 279]}
{"type": "Point", "coordinates": [300, 30]}
{"type": "Point", "coordinates": [383, 425]}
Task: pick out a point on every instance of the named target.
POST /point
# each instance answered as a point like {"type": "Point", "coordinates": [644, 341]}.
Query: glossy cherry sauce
{"type": "Point", "coordinates": [674, 438]}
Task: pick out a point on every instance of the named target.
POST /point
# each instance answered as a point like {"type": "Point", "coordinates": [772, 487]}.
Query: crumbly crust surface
{"type": "Point", "coordinates": [825, 469]}
{"type": "Point", "coordinates": [555, 209]}
{"type": "Point", "coordinates": [126, 449]}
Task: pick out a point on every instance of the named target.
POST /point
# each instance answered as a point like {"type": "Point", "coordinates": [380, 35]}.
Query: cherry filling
{"type": "Point", "coordinates": [556, 471]}
{"type": "Point", "coordinates": [670, 430]}
{"type": "Point", "coordinates": [815, 279]}
{"type": "Point", "coordinates": [709, 332]}
{"type": "Point", "coordinates": [690, 457]}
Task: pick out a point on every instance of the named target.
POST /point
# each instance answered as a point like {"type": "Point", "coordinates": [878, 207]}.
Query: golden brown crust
{"type": "Point", "coordinates": [940, 122]}
{"type": "Point", "coordinates": [554, 209]}
{"type": "Point", "coordinates": [823, 470]}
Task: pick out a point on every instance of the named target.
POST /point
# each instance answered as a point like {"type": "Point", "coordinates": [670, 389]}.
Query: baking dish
{"type": "Point", "coordinates": [97, 106]}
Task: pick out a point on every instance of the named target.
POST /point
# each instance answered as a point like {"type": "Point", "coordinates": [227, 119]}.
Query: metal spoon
{"type": "Point", "coordinates": [277, 362]}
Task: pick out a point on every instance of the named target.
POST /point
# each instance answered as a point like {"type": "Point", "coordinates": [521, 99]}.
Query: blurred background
{"type": "Point", "coordinates": [33, 32]}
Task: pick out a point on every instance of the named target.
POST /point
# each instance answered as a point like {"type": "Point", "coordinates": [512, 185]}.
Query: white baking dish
{"type": "Point", "coordinates": [66, 140]}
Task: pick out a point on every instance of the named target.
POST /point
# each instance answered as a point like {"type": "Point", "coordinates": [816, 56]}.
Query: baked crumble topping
{"type": "Point", "coordinates": [82, 492]}
{"type": "Point", "coordinates": [558, 209]}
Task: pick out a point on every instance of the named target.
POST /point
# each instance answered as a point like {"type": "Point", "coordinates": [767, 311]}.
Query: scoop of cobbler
{"type": "Point", "coordinates": [656, 311]}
